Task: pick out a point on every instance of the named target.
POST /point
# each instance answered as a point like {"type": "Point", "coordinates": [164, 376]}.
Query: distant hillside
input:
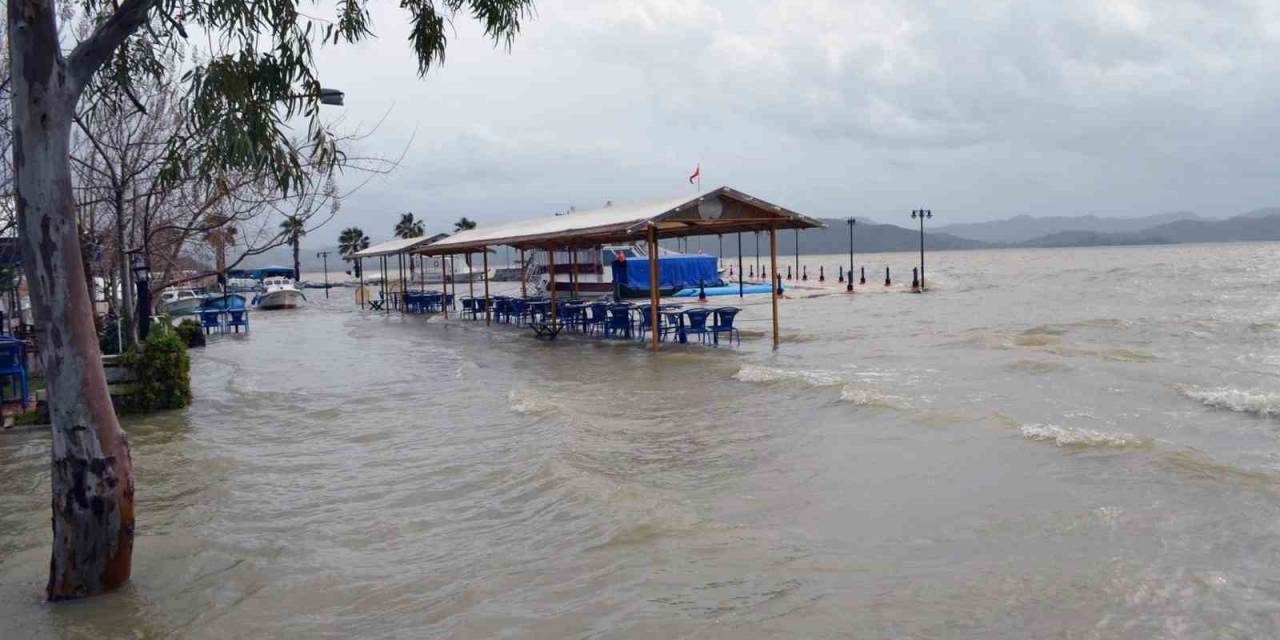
{"type": "Point", "coordinates": [1023, 228]}
{"type": "Point", "coordinates": [867, 238]}
{"type": "Point", "coordinates": [1245, 228]}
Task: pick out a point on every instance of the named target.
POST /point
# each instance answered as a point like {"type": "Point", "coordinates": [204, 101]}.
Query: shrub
{"type": "Point", "coordinates": [162, 371]}
{"type": "Point", "coordinates": [191, 332]}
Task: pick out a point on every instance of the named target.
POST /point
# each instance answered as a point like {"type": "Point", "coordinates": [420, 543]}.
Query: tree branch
{"type": "Point", "coordinates": [90, 55]}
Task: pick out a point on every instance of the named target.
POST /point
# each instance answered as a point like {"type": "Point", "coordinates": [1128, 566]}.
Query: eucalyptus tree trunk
{"type": "Point", "coordinates": [92, 474]}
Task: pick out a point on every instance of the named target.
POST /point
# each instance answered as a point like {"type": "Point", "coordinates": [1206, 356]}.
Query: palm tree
{"type": "Point", "coordinates": [293, 228]}
{"type": "Point", "coordinates": [463, 224]}
{"type": "Point", "coordinates": [351, 240]}
{"type": "Point", "coordinates": [220, 233]}
{"type": "Point", "coordinates": [408, 227]}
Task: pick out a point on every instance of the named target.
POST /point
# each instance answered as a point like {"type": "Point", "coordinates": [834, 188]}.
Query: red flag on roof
{"type": "Point", "coordinates": [697, 171]}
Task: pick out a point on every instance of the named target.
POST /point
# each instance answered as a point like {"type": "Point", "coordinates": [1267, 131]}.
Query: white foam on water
{"type": "Point", "coordinates": [757, 373]}
{"type": "Point", "coordinates": [1259, 403]}
{"type": "Point", "coordinates": [527, 403]}
{"type": "Point", "coordinates": [867, 396]}
{"type": "Point", "coordinates": [1068, 437]}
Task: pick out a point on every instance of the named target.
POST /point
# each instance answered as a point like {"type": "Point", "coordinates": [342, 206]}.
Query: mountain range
{"type": "Point", "coordinates": [1021, 231]}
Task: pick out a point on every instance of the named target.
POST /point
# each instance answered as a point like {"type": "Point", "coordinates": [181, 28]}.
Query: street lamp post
{"type": "Point", "coordinates": [324, 256]}
{"type": "Point", "coordinates": [141, 274]}
{"type": "Point", "coordinates": [849, 287]}
{"type": "Point", "coordinates": [921, 214]}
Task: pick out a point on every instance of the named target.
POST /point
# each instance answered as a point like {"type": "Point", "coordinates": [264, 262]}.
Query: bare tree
{"type": "Point", "coordinates": [241, 99]}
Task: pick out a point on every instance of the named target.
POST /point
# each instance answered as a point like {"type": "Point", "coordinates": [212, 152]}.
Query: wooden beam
{"type": "Point", "coordinates": [773, 284]}
{"type": "Point", "coordinates": [653, 285]}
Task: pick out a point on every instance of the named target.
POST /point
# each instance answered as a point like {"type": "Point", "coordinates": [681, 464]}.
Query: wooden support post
{"type": "Point", "coordinates": [523, 292]}
{"type": "Point", "coordinates": [471, 285]}
{"type": "Point", "coordinates": [653, 285]}
{"type": "Point", "coordinates": [404, 286]}
{"type": "Point", "coordinates": [773, 268]}
{"type": "Point", "coordinates": [444, 286]}
{"type": "Point", "coordinates": [362, 294]}
{"type": "Point", "coordinates": [484, 256]}
{"type": "Point", "coordinates": [551, 286]}
{"type": "Point", "coordinates": [573, 265]}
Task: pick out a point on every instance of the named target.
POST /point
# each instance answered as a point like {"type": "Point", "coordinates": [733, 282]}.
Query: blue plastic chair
{"type": "Point", "coordinates": [697, 324]}
{"type": "Point", "coordinates": [211, 319]}
{"type": "Point", "coordinates": [724, 324]}
{"type": "Point", "coordinates": [619, 321]}
{"type": "Point", "coordinates": [13, 364]}
{"type": "Point", "coordinates": [237, 318]}
{"type": "Point", "coordinates": [469, 308]}
{"type": "Point", "coordinates": [597, 318]}
{"type": "Point", "coordinates": [665, 326]}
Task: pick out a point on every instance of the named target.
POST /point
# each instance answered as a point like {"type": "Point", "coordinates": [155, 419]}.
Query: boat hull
{"type": "Point", "coordinates": [184, 307]}
{"type": "Point", "coordinates": [280, 300]}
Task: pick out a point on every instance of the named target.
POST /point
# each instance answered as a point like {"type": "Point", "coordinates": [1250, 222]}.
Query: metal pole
{"type": "Point", "coordinates": [849, 286]}
{"type": "Point", "coordinates": [773, 263]}
{"type": "Point", "coordinates": [653, 285]}
{"type": "Point", "coordinates": [922, 250]}
{"type": "Point", "coordinates": [757, 252]}
{"type": "Point", "coordinates": [797, 254]}
{"type": "Point", "coordinates": [324, 255]}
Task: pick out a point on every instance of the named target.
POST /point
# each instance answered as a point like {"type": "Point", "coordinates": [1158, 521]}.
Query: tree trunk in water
{"type": "Point", "coordinates": [92, 474]}
{"type": "Point", "coordinates": [297, 266]}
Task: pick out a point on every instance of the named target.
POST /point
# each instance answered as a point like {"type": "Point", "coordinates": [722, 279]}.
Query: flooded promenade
{"type": "Point", "coordinates": [1051, 443]}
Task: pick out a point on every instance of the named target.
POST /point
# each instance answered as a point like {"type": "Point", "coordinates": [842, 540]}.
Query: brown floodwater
{"type": "Point", "coordinates": [1051, 444]}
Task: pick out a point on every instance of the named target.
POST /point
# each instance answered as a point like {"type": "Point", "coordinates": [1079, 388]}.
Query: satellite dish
{"type": "Point", "coordinates": [710, 209]}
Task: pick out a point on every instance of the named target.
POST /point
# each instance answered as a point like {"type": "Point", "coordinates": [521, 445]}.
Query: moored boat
{"type": "Point", "coordinates": [279, 293]}
{"type": "Point", "coordinates": [179, 302]}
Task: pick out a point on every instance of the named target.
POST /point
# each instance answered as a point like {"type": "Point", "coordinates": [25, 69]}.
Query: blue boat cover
{"type": "Point", "coordinates": [673, 271]}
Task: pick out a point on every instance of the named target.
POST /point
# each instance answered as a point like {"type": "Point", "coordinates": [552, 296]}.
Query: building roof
{"type": "Point", "coordinates": [394, 246]}
{"type": "Point", "coordinates": [721, 210]}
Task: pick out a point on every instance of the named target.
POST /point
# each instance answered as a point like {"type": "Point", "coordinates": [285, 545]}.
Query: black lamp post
{"type": "Point", "coordinates": [324, 256]}
{"type": "Point", "coordinates": [849, 287]}
{"type": "Point", "coordinates": [141, 274]}
{"type": "Point", "coordinates": [921, 214]}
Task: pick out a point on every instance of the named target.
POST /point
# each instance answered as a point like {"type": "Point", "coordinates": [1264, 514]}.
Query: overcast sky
{"type": "Point", "coordinates": [980, 109]}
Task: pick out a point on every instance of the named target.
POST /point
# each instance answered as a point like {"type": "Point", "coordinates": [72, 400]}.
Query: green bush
{"type": "Point", "coordinates": [191, 332]}
{"type": "Point", "coordinates": [163, 373]}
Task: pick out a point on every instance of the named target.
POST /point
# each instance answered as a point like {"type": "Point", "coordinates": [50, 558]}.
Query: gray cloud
{"type": "Point", "coordinates": [977, 109]}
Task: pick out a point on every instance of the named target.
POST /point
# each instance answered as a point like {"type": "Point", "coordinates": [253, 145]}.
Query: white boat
{"type": "Point", "coordinates": [279, 293]}
{"type": "Point", "coordinates": [179, 302]}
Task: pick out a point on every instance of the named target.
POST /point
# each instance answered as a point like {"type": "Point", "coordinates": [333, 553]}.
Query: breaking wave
{"type": "Point", "coordinates": [1068, 437]}
{"type": "Point", "coordinates": [1266, 405]}
{"type": "Point", "coordinates": [757, 373]}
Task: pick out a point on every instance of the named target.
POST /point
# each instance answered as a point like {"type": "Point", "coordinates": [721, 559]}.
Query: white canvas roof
{"type": "Point", "coordinates": [394, 246]}
{"type": "Point", "coordinates": [721, 210]}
